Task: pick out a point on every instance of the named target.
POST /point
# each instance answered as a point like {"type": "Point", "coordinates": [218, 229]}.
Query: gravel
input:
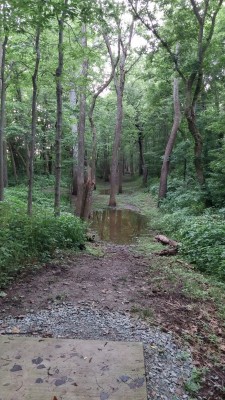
{"type": "Point", "coordinates": [167, 365]}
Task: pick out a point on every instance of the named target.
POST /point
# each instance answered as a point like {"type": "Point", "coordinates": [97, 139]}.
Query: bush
{"type": "Point", "coordinates": [200, 231]}
{"type": "Point", "coordinates": [27, 240]}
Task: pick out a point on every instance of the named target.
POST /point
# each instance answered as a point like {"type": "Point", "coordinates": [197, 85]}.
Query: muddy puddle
{"type": "Point", "coordinates": [119, 226]}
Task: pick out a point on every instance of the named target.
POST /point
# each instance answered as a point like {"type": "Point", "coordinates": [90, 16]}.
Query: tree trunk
{"type": "Point", "coordinates": [13, 163]}
{"type": "Point", "coordinates": [141, 153]}
{"type": "Point", "coordinates": [120, 175]}
{"type": "Point", "coordinates": [5, 168]}
{"type": "Point", "coordinates": [81, 131]}
{"type": "Point", "coordinates": [192, 126]}
{"type": "Point", "coordinates": [171, 141]}
{"type": "Point", "coordinates": [73, 103]}
{"type": "Point", "coordinates": [31, 143]}
{"type": "Point", "coordinates": [2, 112]}
{"type": "Point", "coordinates": [116, 145]}
{"type": "Point", "coordinates": [58, 136]}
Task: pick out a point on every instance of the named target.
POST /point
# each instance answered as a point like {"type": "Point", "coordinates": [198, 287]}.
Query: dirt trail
{"type": "Point", "coordinates": [119, 279]}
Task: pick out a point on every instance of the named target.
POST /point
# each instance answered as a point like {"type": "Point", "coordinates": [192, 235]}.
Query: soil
{"type": "Point", "coordinates": [119, 279]}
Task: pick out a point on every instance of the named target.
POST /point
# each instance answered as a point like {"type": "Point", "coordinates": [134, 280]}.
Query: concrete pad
{"type": "Point", "coordinates": [69, 369]}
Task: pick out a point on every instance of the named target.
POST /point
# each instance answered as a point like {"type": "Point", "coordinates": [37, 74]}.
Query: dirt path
{"type": "Point", "coordinates": [117, 278]}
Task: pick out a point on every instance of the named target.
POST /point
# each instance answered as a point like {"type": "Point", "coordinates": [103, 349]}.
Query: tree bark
{"type": "Point", "coordinates": [2, 112]}
{"type": "Point", "coordinates": [58, 136]}
{"type": "Point", "coordinates": [198, 143]}
{"type": "Point", "coordinates": [73, 103]}
{"type": "Point", "coordinates": [119, 81]}
{"type": "Point", "coordinates": [31, 142]}
{"type": "Point", "coordinates": [117, 139]}
{"type": "Point", "coordinates": [171, 141]}
{"type": "Point", "coordinates": [5, 167]}
{"type": "Point", "coordinates": [81, 130]}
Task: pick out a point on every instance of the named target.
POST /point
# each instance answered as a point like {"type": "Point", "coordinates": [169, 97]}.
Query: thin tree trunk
{"type": "Point", "coordinates": [120, 175]}
{"type": "Point", "coordinates": [73, 103]}
{"type": "Point", "coordinates": [171, 141]}
{"type": "Point", "coordinates": [116, 146]}
{"type": "Point", "coordinates": [198, 143]}
{"type": "Point", "coordinates": [13, 163]}
{"type": "Point", "coordinates": [58, 136]}
{"type": "Point", "coordinates": [81, 131]}
{"type": "Point", "coordinates": [5, 164]}
{"type": "Point", "coordinates": [2, 112]}
{"type": "Point", "coordinates": [141, 153]}
{"type": "Point", "coordinates": [31, 143]}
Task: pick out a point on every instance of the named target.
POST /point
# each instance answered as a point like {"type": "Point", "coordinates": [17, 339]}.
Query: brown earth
{"type": "Point", "coordinates": [118, 279]}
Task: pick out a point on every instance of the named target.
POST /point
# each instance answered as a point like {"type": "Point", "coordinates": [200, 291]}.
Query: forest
{"type": "Point", "coordinates": [119, 104]}
{"type": "Point", "coordinates": [86, 93]}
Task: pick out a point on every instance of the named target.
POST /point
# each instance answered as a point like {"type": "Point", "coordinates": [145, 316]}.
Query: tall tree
{"type": "Point", "coordinates": [34, 122]}
{"type": "Point", "coordinates": [205, 14]}
{"type": "Point", "coordinates": [3, 44]}
{"type": "Point", "coordinates": [81, 128]}
{"type": "Point", "coordinates": [119, 82]}
{"type": "Point", "coordinates": [171, 141]}
{"type": "Point", "coordinates": [59, 114]}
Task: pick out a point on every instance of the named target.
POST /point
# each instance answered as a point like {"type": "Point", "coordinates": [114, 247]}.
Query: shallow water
{"type": "Point", "coordinates": [119, 226]}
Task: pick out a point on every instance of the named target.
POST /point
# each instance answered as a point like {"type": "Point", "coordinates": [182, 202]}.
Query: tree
{"type": "Point", "coordinates": [3, 44]}
{"type": "Point", "coordinates": [34, 122]}
{"type": "Point", "coordinates": [171, 141]}
{"type": "Point", "coordinates": [59, 116]}
{"type": "Point", "coordinates": [205, 14]}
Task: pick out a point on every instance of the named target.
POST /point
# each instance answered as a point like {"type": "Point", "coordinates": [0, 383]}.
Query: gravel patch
{"type": "Point", "coordinates": [167, 366]}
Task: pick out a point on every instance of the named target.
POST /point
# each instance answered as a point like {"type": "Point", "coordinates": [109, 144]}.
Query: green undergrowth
{"type": "Point", "coordinates": [28, 240]}
{"type": "Point", "coordinates": [200, 230]}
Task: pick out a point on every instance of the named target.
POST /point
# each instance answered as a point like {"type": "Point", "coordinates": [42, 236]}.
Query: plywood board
{"type": "Point", "coordinates": [69, 369]}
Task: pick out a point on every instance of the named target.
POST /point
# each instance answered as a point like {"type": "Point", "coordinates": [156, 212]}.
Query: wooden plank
{"type": "Point", "coordinates": [39, 369]}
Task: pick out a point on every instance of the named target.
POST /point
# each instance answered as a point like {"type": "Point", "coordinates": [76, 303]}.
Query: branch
{"type": "Point", "coordinates": [113, 62]}
{"type": "Point", "coordinates": [208, 39]}
{"type": "Point", "coordinates": [196, 11]}
{"type": "Point", "coordinates": [135, 61]}
{"type": "Point", "coordinates": [161, 40]}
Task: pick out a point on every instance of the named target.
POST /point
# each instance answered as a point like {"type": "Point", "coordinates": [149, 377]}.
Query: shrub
{"type": "Point", "coordinates": [26, 240]}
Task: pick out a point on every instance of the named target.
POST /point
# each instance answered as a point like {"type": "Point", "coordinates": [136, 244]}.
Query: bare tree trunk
{"type": "Point", "coordinates": [2, 112]}
{"type": "Point", "coordinates": [73, 103]}
{"type": "Point", "coordinates": [171, 141]}
{"type": "Point", "coordinates": [81, 131]}
{"type": "Point", "coordinates": [141, 152]}
{"type": "Point", "coordinates": [13, 163]}
{"type": "Point", "coordinates": [31, 143]}
{"type": "Point", "coordinates": [58, 137]}
{"type": "Point", "coordinates": [5, 164]}
{"type": "Point", "coordinates": [119, 80]}
{"type": "Point", "coordinates": [198, 143]}
{"type": "Point", "coordinates": [120, 182]}
{"type": "Point", "coordinates": [116, 145]}
{"type": "Point", "coordinates": [91, 114]}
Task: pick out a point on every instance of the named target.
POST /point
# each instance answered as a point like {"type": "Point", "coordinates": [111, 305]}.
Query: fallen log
{"type": "Point", "coordinates": [166, 241]}
{"type": "Point", "coordinates": [167, 252]}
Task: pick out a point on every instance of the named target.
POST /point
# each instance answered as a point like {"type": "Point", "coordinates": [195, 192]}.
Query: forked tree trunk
{"type": "Point", "coordinates": [2, 112]}
{"type": "Point", "coordinates": [58, 136]}
{"type": "Point", "coordinates": [171, 141]}
{"type": "Point", "coordinates": [31, 143]}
